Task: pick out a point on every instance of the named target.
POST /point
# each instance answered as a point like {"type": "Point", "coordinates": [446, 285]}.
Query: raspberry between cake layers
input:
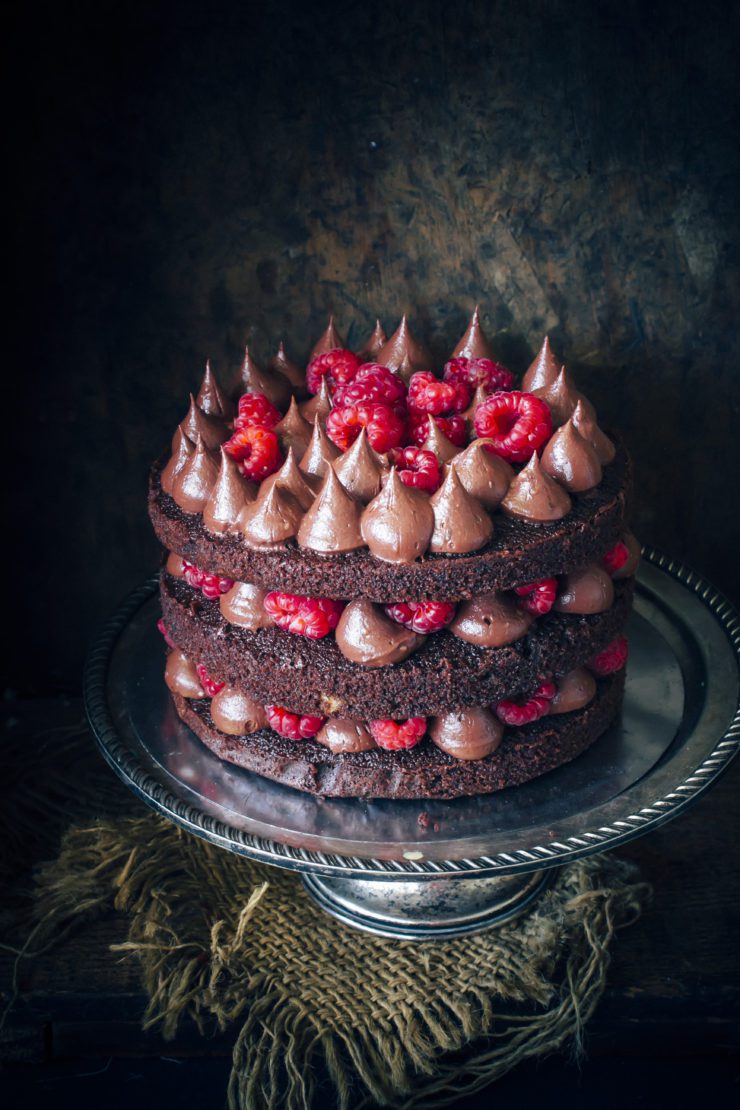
{"type": "Point", "coordinates": [384, 581]}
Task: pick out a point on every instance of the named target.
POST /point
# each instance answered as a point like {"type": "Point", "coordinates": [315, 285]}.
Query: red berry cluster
{"type": "Point", "coordinates": [418, 468]}
{"type": "Point", "coordinates": [256, 411]}
{"type": "Point", "coordinates": [427, 394]}
{"type": "Point", "coordinates": [211, 585]}
{"type": "Point", "coordinates": [518, 424]}
{"type": "Point", "coordinates": [611, 659]}
{"type": "Point", "coordinates": [479, 371]}
{"type": "Point", "coordinates": [394, 735]}
{"type": "Point", "coordinates": [371, 383]}
{"type": "Point", "coordinates": [523, 713]}
{"type": "Point", "coordinates": [314, 617]}
{"type": "Point", "coordinates": [338, 366]}
{"type": "Point", "coordinates": [454, 427]}
{"type": "Point", "coordinates": [615, 557]}
{"type": "Point", "coordinates": [385, 425]}
{"type": "Point", "coordinates": [257, 450]}
{"type": "Point", "coordinates": [209, 684]}
{"type": "Point", "coordinates": [422, 616]}
{"type": "Point", "coordinates": [538, 597]}
{"type": "Point", "coordinates": [293, 725]}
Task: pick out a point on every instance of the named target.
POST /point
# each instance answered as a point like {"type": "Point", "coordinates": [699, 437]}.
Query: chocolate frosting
{"type": "Point", "coordinates": [469, 415]}
{"type": "Point", "coordinates": [270, 520]}
{"type": "Point", "coordinates": [571, 459]}
{"type": "Point", "coordinates": [211, 399]}
{"type": "Point", "coordinates": [543, 370]}
{"type": "Point", "coordinates": [193, 484]}
{"type": "Point", "coordinates": [274, 385]}
{"type": "Point", "coordinates": [332, 524]}
{"type": "Point", "coordinates": [244, 606]}
{"type": "Point", "coordinates": [342, 735]}
{"type": "Point", "coordinates": [229, 495]}
{"type": "Point", "coordinates": [403, 353]}
{"type": "Point", "coordinates": [474, 342]}
{"type": "Point", "coordinates": [182, 449]}
{"type": "Point", "coordinates": [211, 429]}
{"type": "Point", "coordinates": [318, 405]}
{"type": "Point", "coordinates": [367, 636]}
{"type": "Point", "coordinates": [373, 345]}
{"type": "Point", "coordinates": [485, 476]}
{"type": "Point", "coordinates": [490, 620]}
{"type": "Point", "coordinates": [534, 495]}
{"type": "Point", "coordinates": [585, 591]}
{"type": "Point", "coordinates": [320, 453]}
{"type": "Point", "coordinates": [461, 524]}
{"type": "Point", "coordinates": [467, 733]}
{"type": "Point", "coordinates": [397, 525]}
{"type": "Point", "coordinates": [360, 470]}
{"type": "Point", "coordinates": [562, 397]}
{"type": "Point", "coordinates": [302, 486]}
{"type": "Point", "coordinates": [293, 431]}
{"type": "Point", "coordinates": [592, 433]}
{"type": "Point", "coordinates": [236, 714]}
{"type": "Point", "coordinates": [329, 341]}
{"type": "Point", "coordinates": [281, 364]}
{"type": "Point", "coordinates": [438, 443]}
{"type": "Point", "coordinates": [575, 689]}
{"type": "Point", "coordinates": [181, 676]}
{"type": "Point", "coordinates": [174, 565]}
{"type": "Point", "coordinates": [633, 560]}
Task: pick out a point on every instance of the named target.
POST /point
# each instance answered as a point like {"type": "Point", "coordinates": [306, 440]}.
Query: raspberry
{"type": "Point", "coordinates": [428, 394]}
{"type": "Point", "coordinates": [393, 735]}
{"type": "Point", "coordinates": [211, 585]}
{"type": "Point", "coordinates": [418, 468]}
{"type": "Point", "coordinates": [163, 629]}
{"type": "Point", "coordinates": [518, 423]}
{"type": "Point", "coordinates": [538, 597]}
{"type": "Point", "coordinates": [313, 617]}
{"type": "Point", "coordinates": [372, 383]}
{"type": "Point", "coordinates": [255, 410]}
{"type": "Point", "coordinates": [611, 659]}
{"type": "Point", "coordinates": [257, 451]}
{"type": "Point", "coordinates": [615, 557]}
{"type": "Point", "coordinates": [422, 616]}
{"type": "Point", "coordinates": [292, 725]}
{"type": "Point", "coordinates": [338, 366]}
{"type": "Point", "coordinates": [452, 426]}
{"type": "Point", "coordinates": [479, 371]}
{"type": "Point", "coordinates": [385, 426]}
{"type": "Point", "coordinates": [523, 713]}
{"type": "Point", "coordinates": [210, 685]}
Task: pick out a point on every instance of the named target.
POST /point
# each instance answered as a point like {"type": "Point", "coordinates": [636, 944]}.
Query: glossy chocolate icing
{"type": "Point", "coordinates": [575, 689]}
{"type": "Point", "coordinates": [470, 733]}
{"type": "Point", "coordinates": [174, 565]}
{"type": "Point", "coordinates": [474, 341]}
{"type": "Point", "coordinates": [535, 496]}
{"type": "Point", "coordinates": [236, 714]}
{"type": "Point", "coordinates": [571, 460]}
{"type": "Point", "coordinates": [365, 635]}
{"type": "Point", "coordinates": [587, 427]}
{"type": "Point", "coordinates": [211, 398]}
{"type": "Point", "coordinates": [461, 524]}
{"type": "Point", "coordinates": [193, 483]}
{"type": "Point", "coordinates": [293, 430]}
{"type": "Point", "coordinates": [332, 523]}
{"type": "Point", "coordinates": [231, 492]}
{"type": "Point", "coordinates": [318, 405]}
{"type": "Point", "coordinates": [585, 591]}
{"type": "Point", "coordinates": [270, 520]}
{"type": "Point", "coordinates": [243, 605]}
{"type": "Point", "coordinates": [359, 469]}
{"type": "Point", "coordinates": [403, 353]}
{"type": "Point", "coordinates": [490, 620]}
{"type": "Point", "coordinates": [469, 415]}
{"type": "Point", "coordinates": [182, 448]}
{"type": "Point", "coordinates": [320, 453]}
{"type": "Point", "coordinates": [485, 476]}
{"type": "Point", "coordinates": [543, 369]}
{"type": "Point", "coordinates": [274, 385]}
{"type": "Point", "coordinates": [329, 340]}
{"type": "Point", "coordinates": [281, 364]}
{"type": "Point", "coordinates": [211, 429]}
{"type": "Point", "coordinates": [438, 443]}
{"type": "Point", "coordinates": [181, 676]}
{"type": "Point", "coordinates": [373, 345]}
{"type": "Point", "coordinates": [397, 525]}
{"type": "Point", "coordinates": [562, 397]}
{"type": "Point", "coordinates": [302, 486]}
{"type": "Point", "coordinates": [342, 735]}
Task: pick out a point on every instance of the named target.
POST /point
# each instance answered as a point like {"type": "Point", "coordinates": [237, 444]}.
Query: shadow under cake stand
{"type": "Point", "coordinates": [432, 869]}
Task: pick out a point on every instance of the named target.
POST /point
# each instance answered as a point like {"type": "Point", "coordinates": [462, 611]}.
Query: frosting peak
{"type": "Point", "coordinates": [182, 449]}
{"type": "Point", "coordinates": [194, 482]}
{"type": "Point", "coordinates": [229, 495]}
{"type": "Point", "coordinates": [474, 342]}
{"type": "Point", "coordinates": [438, 443]}
{"type": "Point", "coordinates": [484, 475]}
{"type": "Point", "coordinates": [270, 520]}
{"type": "Point", "coordinates": [211, 399]}
{"type": "Point", "coordinates": [403, 353]}
{"type": "Point", "coordinates": [461, 524]}
{"type": "Point", "coordinates": [359, 469]}
{"type": "Point", "coordinates": [318, 405]}
{"type": "Point", "coordinates": [571, 459]}
{"type": "Point", "coordinates": [329, 341]}
{"type": "Point", "coordinates": [534, 495]}
{"type": "Point", "coordinates": [478, 398]}
{"type": "Point", "coordinates": [543, 370]}
{"type": "Point", "coordinates": [332, 524]}
{"type": "Point", "coordinates": [211, 429]}
{"type": "Point", "coordinates": [365, 635]}
{"type": "Point", "coordinates": [293, 431]}
{"type": "Point", "coordinates": [281, 364]}
{"type": "Point", "coordinates": [253, 379]}
{"type": "Point", "coordinates": [397, 525]}
{"type": "Point", "coordinates": [562, 397]}
{"type": "Point", "coordinates": [374, 343]}
{"type": "Point", "coordinates": [320, 453]}
{"type": "Point", "coordinates": [586, 425]}
{"type": "Point", "coordinates": [290, 477]}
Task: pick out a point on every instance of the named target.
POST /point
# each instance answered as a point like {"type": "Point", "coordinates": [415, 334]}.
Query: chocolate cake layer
{"type": "Point", "coordinates": [422, 772]}
{"type": "Point", "coordinates": [519, 552]}
{"type": "Point", "coordinates": [312, 676]}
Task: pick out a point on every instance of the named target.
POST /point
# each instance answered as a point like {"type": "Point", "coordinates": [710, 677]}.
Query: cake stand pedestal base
{"type": "Point", "coordinates": [429, 910]}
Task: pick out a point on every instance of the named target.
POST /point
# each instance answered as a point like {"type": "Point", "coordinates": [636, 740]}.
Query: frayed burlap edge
{"type": "Point", "coordinates": [223, 941]}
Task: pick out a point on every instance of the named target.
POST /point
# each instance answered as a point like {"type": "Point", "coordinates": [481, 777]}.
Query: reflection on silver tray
{"type": "Point", "coordinates": [678, 729]}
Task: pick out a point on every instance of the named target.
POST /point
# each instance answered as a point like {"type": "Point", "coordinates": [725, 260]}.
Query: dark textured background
{"type": "Point", "coordinates": [187, 179]}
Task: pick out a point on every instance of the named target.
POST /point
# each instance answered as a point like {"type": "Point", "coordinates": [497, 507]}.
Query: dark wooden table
{"type": "Point", "coordinates": [670, 1014]}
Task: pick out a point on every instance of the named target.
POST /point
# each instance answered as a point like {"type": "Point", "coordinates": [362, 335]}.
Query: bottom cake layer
{"type": "Point", "coordinates": [421, 772]}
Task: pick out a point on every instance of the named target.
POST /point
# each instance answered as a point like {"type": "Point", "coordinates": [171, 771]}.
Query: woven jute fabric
{"type": "Point", "coordinates": [228, 943]}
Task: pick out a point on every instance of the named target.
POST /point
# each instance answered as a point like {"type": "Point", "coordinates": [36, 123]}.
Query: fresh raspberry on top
{"type": "Point", "coordinates": [394, 735]}
{"type": "Point", "coordinates": [428, 394]}
{"type": "Point", "coordinates": [523, 713]}
{"type": "Point", "coordinates": [338, 366]}
{"type": "Point", "coordinates": [538, 597]}
{"type": "Point", "coordinates": [292, 725]}
{"type": "Point", "coordinates": [453, 427]}
{"type": "Point", "coordinates": [314, 617]}
{"type": "Point", "coordinates": [210, 585]}
{"type": "Point", "coordinates": [479, 371]}
{"type": "Point", "coordinates": [615, 557]}
{"type": "Point", "coordinates": [422, 616]}
{"type": "Point", "coordinates": [255, 410]}
{"type": "Point", "coordinates": [418, 468]}
{"type": "Point", "coordinates": [163, 629]}
{"type": "Point", "coordinates": [385, 426]}
{"type": "Point", "coordinates": [518, 423]}
{"type": "Point", "coordinates": [611, 659]}
{"type": "Point", "coordinates": [257, 450]}
{"type": "Point", "coordinates": [371, 383]}
{"type": "Point", "coordinates": [210, 685]}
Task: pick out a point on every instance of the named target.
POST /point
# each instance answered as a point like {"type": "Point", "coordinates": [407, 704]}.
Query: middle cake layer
{"type": "Point", "coordinates": [309, 676]}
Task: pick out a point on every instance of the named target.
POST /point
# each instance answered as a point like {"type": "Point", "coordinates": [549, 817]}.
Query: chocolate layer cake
{"type": "Point", "coordinates": [384, 581]}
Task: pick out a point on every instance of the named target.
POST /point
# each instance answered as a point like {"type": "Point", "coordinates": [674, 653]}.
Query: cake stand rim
{"type": "Point", "coordinates": [146, 786]}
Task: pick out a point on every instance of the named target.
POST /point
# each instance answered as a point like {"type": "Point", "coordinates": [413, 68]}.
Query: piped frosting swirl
{"type": "Point", "coordinates": [474, 341]}
{"type": "Point", "coordinates": [332, 523]}
{"type": "Point", "coordinates": [571, 460]}
{"type": "Point", "coordinates": [461, 524]}
{"type": "Point", "coordinates": [230, 493]}
{"type": "Point", "coordinates": [535, 496]}
{"type": "Point", "coordinates": [365, 635]}
{"type": "Point", "coordinates": [193, 483]}
{"type": "Point", "coordinates": [397, 525]}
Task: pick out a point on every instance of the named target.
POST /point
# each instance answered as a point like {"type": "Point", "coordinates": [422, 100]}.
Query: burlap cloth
{"type": "Point", "coordinates": [224, 942]}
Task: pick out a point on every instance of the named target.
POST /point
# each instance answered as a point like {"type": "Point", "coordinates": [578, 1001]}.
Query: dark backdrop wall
{"type": "Point", "coordinates": [189, 178]}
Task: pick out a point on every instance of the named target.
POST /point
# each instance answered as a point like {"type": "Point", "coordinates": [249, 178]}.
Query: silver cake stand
{"type": "Point", "coordinates": [422, 870]}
